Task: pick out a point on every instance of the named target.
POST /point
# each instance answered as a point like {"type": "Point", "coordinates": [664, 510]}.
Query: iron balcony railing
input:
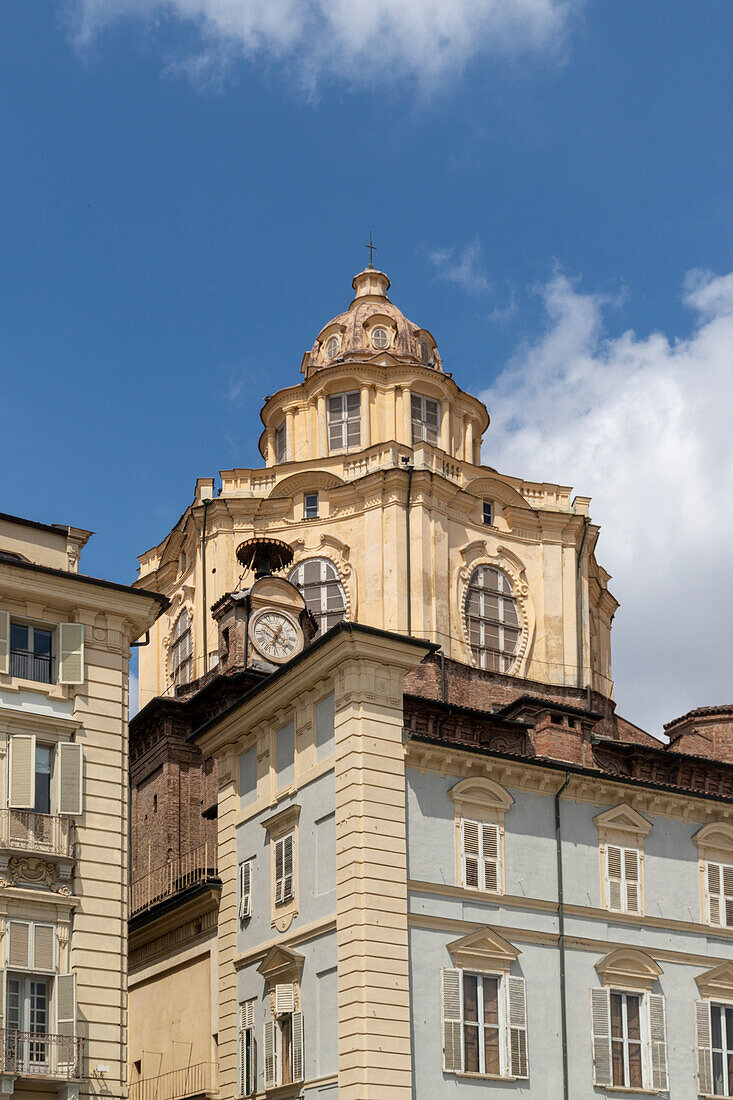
{"type": "Point", "coordinates": [28, 831]}
{"type": "Point", "coordinates": [178, 874]}
{"type": "Point", "coordinates": [30, 666]}
{"type": "Point", "coordinates": [179, 1084]}
{"type": "Point", "coordinates": [32, 1054]}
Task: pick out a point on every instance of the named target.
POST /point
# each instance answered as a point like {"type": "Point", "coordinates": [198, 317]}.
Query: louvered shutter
{"type": "Point", "coordinates": [288, 866]}
{"type": "Point", "coordinates": [242, 1062]}
{"type": "Point", "coordinates": [270, 1054]}
{"type": "Point", "coordinates": [245, 889]}
{"type": "Point", "coordinates": [632, 863]}
{"type": "Point", "coordinates": [714, 891]}
{"type": "Point", "coordinates": [490, 844]}
{"type": "Point", "coordinates": [278, 872]}
{"type": "Point", "coordinates": [5, 641]}
{"type": "Point", "coordinates": [600, 1012]}
{"type": "Point", "coordinates": [2, 998]}
{"type": "Point", "coordinates": [517, 1017]}
{"type": "Point", "coordinates": [71, 653]}
{"type": "Point", "coordinates": [727, 873]}
{"type": "Point", "coordinates": [470, 853]}
{"type": "Point", "coordinates": [44, 936]}
{"type": "Point", "coordinates": [658, 1040]}
{"type": "Point", "coordinates": [614, 876]}
{"type": "Point", "coordinates": [22, 771]}
{"type": "Point", "coordinates": [19, 944]}
{"type": "Point", "coordinates": [703, 1044]}
{"type": "Point", "coordinates": [451, 982]}
{"type": "Point", "coordinates": [246, 1068]}
{"type": "Point", "coordinates": [284, 999]}
{"type": "Point", "coordinates": [70, 772]}
{"type": "Point", "coordinates": [298, 1047]}
{"type": "Point", "coordinates": [66, 1004]}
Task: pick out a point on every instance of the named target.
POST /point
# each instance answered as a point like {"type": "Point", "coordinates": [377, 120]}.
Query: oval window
{"type": "Point", "coordinates": [492, 619]}
{"type": "Point", "coordinates": [332, 347]}
{"type": "Point", "coordinates": [380, 337]}
{"type": "Point", "coordinates": [425, 353]}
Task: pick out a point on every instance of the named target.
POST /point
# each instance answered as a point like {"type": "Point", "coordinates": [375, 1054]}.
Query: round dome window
{"type": "Point", "coordinates": [380, 338]}
{"type": "Point", "coordinates": [332, 347]}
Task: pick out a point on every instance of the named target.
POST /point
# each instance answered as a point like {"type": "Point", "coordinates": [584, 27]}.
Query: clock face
{"type": "Point", "coordinates": [276, 635]}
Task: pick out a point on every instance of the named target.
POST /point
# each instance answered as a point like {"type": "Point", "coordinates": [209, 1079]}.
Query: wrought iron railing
{"type": "Point", "coordinates": [178, 1084]}
{"type": "Point", "coordinates": [30, 666]}
{"type": "Point", "coordinates": [31, 1054]}
{"type": "Point", "coordinates": [31, 832]}
{"type": "Point", "coordinates": [178, 874]}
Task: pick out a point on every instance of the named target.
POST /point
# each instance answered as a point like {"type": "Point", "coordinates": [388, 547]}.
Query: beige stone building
{"type": "Point", "coordinates": [64, 654]}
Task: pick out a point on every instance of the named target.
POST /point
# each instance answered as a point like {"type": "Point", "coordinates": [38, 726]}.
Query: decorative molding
{"type": "Point", "coordinates": [282, 822]}
{"type": "Point", "coordinates": [477, 793]}
{"type": "Point", "coordinates": [625, 820]}
{"type": "Point", "coordinates": [483, 950]}
{"type": "Point", "coordinates": [717, 982]}
{"type": "Point", "coordinates": [477, 553]}
{"type": "Point", "coordinates": [628, 968]}
{"type": "Point", "coordinates": [281, 964]}
{"type": "Point", "coordinates": [716, 838]}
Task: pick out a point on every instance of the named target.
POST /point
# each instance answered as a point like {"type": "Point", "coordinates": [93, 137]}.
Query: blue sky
{"type": "Point", "coordinates": [186, 191]}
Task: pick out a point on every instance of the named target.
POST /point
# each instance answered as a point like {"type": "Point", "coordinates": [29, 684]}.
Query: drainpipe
{"type": "Point", "coordinates": [203, 586]}
{"type": "Point", "coordinates": [408, 562]}
{"type": "Point", "coordinates": [579, 599]}
{"type": "Point", "coordinates": [561, 939]}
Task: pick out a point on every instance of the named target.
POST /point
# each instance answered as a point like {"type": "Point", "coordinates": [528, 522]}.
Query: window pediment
{"type": "Point", "coordinates": [623, 819]}
{"type": "Point", "coordinates": [282, 822]}
{"type": "Point", "coordinates": [477, 794]}
{"type": "Point", "coordinates": [483, 950]}
{"type": "Point", "coordinates": [715, 838]}
{"type": "Point", "coordinates": [717, 982]}
{"type": "Point", "coordinates": [281, 965]}
{"type": "Point", "coordinates": [628, 968]}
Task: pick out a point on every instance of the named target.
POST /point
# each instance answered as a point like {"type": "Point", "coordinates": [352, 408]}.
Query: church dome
{"type": "Point", "coordinates": [371, 328]}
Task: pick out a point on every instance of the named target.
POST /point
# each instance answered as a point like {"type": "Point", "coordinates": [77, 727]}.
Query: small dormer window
{"type": "Point", "coordinates": [380, 338]}
{"type": "Point", "coordinates": [281, 444]}
{"type": "Point", "coordinates": [488, 513]}
{"type": "Point", "coordinates": [310, 509]}
{"type": "Point", "coordinates": [332, 347]}
{"type": "Point", "coordinates": [425, 353]}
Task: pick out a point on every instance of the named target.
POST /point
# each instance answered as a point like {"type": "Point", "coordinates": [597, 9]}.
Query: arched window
{"type": "Point", "coordinates": [318, 580]}
{"type": "Point", "coordinates": [181, 657]}
{"type": "Point", "coordinates": [492, 619]}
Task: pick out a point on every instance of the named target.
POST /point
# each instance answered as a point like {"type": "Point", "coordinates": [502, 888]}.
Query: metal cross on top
{"type": "Point", "coordinates": [372, 248]}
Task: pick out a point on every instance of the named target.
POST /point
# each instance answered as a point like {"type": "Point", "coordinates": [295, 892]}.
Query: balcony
{"type": "Point", "coordinates": [197, 1080]}
{"type": "Point", "coordinates": [193, 868]}
{"type": "Point", "coordinates": [38, 1056]}
{"type": "Point", "coordinates": [31, 666]}
{"type": "Point", "coordinates": [27, 831]}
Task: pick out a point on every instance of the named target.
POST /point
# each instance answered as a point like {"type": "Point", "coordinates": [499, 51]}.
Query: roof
{"type": "Point", "coordinates": [701, 712]}
{"type": "Point", "coordinates": [83, 578]}
{"type": "Point", "coordinates": [54, 528]}
{"type": "Point", "coordinates": [536, 702]}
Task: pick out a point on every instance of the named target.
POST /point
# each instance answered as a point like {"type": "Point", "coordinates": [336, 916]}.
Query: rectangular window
{"type": "Point", "coordinates": [247, 1079]}
{"type": "Point", "coordinates": [344, 421]}
{"type": "Point", "coordinates": [719, 889]}
{"type": "Point", "coordinates": [245, 889]}
{"type": "Point", "coordinates": [626, 1040]}
{"type": "Point", "coordinates": [283, 1041]}
{"type": "Point", "coordinates": [721, 1031]}
{"type": "Point", "coordinates": [484, 1024]}
{"type": "Point", "coordinates": [480, 855]}
{"type": "Point", "coordinates": [31, 652]}
{"type": "Point", "coordinates": [481, 1025]}
{"type": "Point", "coordinates": [629, 1039]}
{"type": "Point", "coordinates": [27, 1013]}
{"type": "Point", "coordinates": [284, 869]}
{"type": "Point", "coordinates": [44, 774]}
{"type": "Point", "coordinates": [281, 444]}
{"type": "Point", "coordinates": [310, 510]}
{"type": "Point", "coordinates": [425, 419]}
{"type": "Point", "coordinates": [488, 513]}
{"type": "Point", "coordinates": [623, 879]}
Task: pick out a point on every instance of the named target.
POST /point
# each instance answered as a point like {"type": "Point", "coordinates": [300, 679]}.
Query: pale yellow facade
{"type": "Point", "coordinates": [64, 657]}
{"type": "Point", "coordinates": [400, 512]}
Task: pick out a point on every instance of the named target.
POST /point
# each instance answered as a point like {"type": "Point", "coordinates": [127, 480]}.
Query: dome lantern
{"type": "Point", "coordinates": [370, 283]}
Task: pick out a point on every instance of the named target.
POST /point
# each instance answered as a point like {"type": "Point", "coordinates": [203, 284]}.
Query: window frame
{"type": "Point", "coordinates": [505, 1025]}
{"type": "Point", "coordinates": [177, 660]}
{"type": "Point", "coordinates": [724, 1008]}
{"type": "Point", "coordinates": [373, 337]}
{"type": "Point", "coordinates": [310, 506]}
{"type": "Point", "coordinates": [483, 654]}
{"type": "Point", "coordinates": [421, 432]}
{"type": "Point", "coordinates": [335, 342]}
{"type": "Point", "coordinates": [643, 1041]}
{"type": "Point", "coordinates": [281, 443]}
{"type": "Point", "coordinates": [481, 857]}
{"type": "Point", "coordinates": [487, 509]}
{"type": "Point", "coordinates": [339, 420]}
{"type": "Point", "coordinates": [246, 868]}
{"type": "Point", "coordinates": [626, 882]}
{"type": "Point", "coordinates": [30, 653]}
{"type": "Point", "coordinates": [322, 587]}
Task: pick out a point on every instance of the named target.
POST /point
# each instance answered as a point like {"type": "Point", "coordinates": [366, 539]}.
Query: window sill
{"type": "Point", "coordinates": [284, 1092]}
{"type": "Point", "coordinates": [484, 1076]}
{"type": "Point", "coordinates": [624, 1090]}
{"type": "Point", "coordinates": [16, 683]}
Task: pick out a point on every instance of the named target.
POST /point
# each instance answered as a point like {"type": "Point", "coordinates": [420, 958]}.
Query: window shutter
{"type": "Point", "coordinates": [614, 873]}
{"type": "Point", "coordinates": [2, 998]}
{"type": "Point", "coordinates": [600, 1013]}
{"type": "Point", "coordinates": [242, 1059]}
{"type": "Point", "coordinates": [703, 1042]}
{"type": "Point", "coordinates": [632, 878]}
{"type": "Point", "coordinates": [270, 1054]}
{"type": "Point", "coordinates": [298, 1047]}
{"type": "Point", "coordinates": [288, 866]}
{"type": "Point", "coordinates": [714, 884]}
{"type": "Point", "coordinates": [19, 945]}
{"type": "Point", "coordinates": [470, 853]}
{"type": "Point", "coordinates": [5, 641]}
{"type": "Point", "coordinates": [284, 999]}
{"type": "Point", "coordinates": [517, 1017]}
{"type": "Point", "coordinates": [22, 771]}
{"type": "Point", "coordinates": [727, 871]}
{"type": "Point", "coordinates": [246, 1075]}
{"type": "Point", "coordinates": [44, 936]}
{"type": "Point", "coordinates": [490, 839]}
{"type": "Point", "coordinates": [451, 982]}
{"type": "Point", "coordinates": [70, 770]}
{"type": "Point", "coordinates": [658, 1039]}
{"type": "Point", "coordinates": [71, 653]}
{"type": "Point", "coordinates": [278, 871]}
{"type": "Point", "coordinates": [66, 1004]}
{"type": "Point", "coordinates": [245, 889]}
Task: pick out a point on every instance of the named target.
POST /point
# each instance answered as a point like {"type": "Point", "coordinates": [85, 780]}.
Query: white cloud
{"type": "Point", "coordinates": [643, 424]}
{"type": "Point", "coordinates": [462, 267]}
{"type": "Point", "coordinates": [366, 43]}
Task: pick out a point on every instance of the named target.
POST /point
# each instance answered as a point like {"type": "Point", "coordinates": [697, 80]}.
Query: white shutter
{"type": "Point", "coordinates": [70, 772]}
{"type": "Point", "coordinates": [270, 1053]}
{"type": "Point", "coordinates": [632, 877]}
{"type": "Point", "coordinates": [2, 998]}
{"type": "Point", "coordinates": [284, 999]}
{"type": "Point", "coordinates": [658, 1039]}
{"type": "Point", "coordinates": [451, 995]}
{"type": "Point", "coordinates": [490, 853]}
{"type": "Point", "coordinates": [288, 866]}
{"type": "Point", "coordinates": [242, 1061]}
{"type": "Point", "coordinates": [600, 1013]}
{"type": "Point", "coordinates": [298, 1048]}
{"type": "Point", "coordinates": [5, 642]}
{"type": "Point", "coordinates": [614, 876]}
{"type": "Point", "coordinates": [246, 1067]}
{"type": "Point", "coordinates": [278, 872]}
{"type": "Point", "coordinates": [714, 884]}
{"type": "Point", "coordinates": [517, 1017]}
{"type": "Point", "coordinates": [245, 889]}
{"type": "Point", "coordinates": [44, 940]}
{"type": "Point", "coordinates": [66, 1024]}
{"type": "Point", "coordinates": [19, 945]}
{"type": "Point", "coordinates": [22, 771]}
{"type": "Point", "coordinates": [703, 1043]}
{"type": "Point", "coordinates": [71, 653]}
{"type": "Point", "coordinates": [470, 853]}
{"type": "Point", "coordinates": [727, 873]}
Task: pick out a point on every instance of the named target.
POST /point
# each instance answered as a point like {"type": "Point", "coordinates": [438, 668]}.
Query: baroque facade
{"type": "Point", "coordinates": [64, 652]}
{"type": "Point", "coordinates": [443, 862]}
